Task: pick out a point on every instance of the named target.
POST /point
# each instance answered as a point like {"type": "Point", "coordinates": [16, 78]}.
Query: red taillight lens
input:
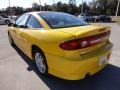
{"type": "Point", "coordinates": [70, 45]}
{"type": "Point", "coordinates": [84, 42]}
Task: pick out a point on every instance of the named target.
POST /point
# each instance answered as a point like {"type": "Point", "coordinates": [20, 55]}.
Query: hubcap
{"type": "Point", "coordinates": [40, 62]}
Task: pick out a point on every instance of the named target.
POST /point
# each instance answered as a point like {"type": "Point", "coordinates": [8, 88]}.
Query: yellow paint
{"type": "Point", "coordinates": [72, 65]}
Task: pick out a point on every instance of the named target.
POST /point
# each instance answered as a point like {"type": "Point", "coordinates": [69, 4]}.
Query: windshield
{"type": "Point", "coordinates": [61, 20]}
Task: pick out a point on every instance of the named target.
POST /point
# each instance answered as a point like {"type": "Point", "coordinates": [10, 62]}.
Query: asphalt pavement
{"type": "Point", "coordinates": [17, 72]}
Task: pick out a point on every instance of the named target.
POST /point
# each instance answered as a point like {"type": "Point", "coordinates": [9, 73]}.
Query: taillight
{"type": "Point", "coordinates": [84, 42]}
{"type": "Point", "coordinates": [70, 45]}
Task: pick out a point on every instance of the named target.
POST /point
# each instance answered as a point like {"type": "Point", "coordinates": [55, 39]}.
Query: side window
{"type": "Point", "coordinates": [19, 19]}
{"type": "Point", "coordinates": [33, 23]}
{"type": "Point", "coordinates": [22, 20]}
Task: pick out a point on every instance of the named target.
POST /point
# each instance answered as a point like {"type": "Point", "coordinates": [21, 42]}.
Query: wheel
{"type": "Point", "coordinates": [7, 22]}
{"type": "Point", "coordinates": [108, 20]}
{"type": "Point", "coordinates": [11, 40]}
{"type": "Point", "coordinates": [96, 20]}
{"type": "Point", "coordinates": [41, 62]}
{"type": "Point", "coordinates": [93, 20]}
{"type": "Point", "coordinates": [103, 20]}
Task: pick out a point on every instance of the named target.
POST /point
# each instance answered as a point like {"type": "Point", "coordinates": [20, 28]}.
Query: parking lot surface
{"type": "Point", "coordinates": [17, 72]}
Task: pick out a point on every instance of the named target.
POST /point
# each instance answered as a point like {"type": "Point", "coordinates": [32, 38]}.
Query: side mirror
{"type": "Point", "coordinates": [10, 24]}
{"type": "Point", "coordinates": [15, 25]}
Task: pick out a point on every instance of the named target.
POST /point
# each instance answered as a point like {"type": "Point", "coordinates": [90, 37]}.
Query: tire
{"type": "Point", "coordinates": [93, 20]}
{"type": "Point", "coordinates": [11, 40]}
{"type": "Point", "coordinates": [7, 22]}
{"type": "Point", "coordinates": [103, 20]}
{"type": "Point", "coordinates": [40, 62]}
{"type": "Point", "coordinates": [96, 20]}
{"type": "Point", "coordinates": [108, 20]}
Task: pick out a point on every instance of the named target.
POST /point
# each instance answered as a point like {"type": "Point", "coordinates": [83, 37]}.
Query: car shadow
{"type": "Point", "coordinates": [107, 79]}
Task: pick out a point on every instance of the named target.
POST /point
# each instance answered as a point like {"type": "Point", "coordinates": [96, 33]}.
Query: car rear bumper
{"type": "Point", "coordinates": [77, 69]}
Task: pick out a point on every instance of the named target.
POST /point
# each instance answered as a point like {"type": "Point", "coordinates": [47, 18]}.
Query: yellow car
{"type": "Point", "coordinates": [61, 44]}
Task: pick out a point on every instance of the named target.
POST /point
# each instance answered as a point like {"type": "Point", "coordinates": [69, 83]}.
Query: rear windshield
{"type": "Point", "coordinates": [61, 20]}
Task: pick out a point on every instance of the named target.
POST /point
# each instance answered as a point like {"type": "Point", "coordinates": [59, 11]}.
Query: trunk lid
{"type": "Point", "coordinates": [84, 31]}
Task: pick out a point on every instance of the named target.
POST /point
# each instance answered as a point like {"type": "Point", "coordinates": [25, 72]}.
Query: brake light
{"type": "Point", "coordinates": [84, 42]}
{"type": "Point", "coordinates": [69, 45]}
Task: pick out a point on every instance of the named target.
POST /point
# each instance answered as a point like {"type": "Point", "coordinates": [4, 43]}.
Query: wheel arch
{"type": "Point", "coordinates": [7, 20]}
{"type": "Point", "coordinates": [36, 48]}
{"type": "Point", "coordinates": [8, 32]}
{"type": "Point", "coordinates": [33, 49]}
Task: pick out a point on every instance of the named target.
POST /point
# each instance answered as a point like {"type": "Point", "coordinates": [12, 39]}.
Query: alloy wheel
{"type": "Point", "coordinates": [40, 62]}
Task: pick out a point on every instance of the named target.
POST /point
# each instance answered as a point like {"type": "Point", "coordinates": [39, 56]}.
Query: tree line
{"type": "Point", "coordinates": [95, 7]}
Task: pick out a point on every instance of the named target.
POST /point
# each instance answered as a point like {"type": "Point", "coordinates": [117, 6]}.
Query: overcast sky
{"type": "Point", "coordinates": [28, 3]}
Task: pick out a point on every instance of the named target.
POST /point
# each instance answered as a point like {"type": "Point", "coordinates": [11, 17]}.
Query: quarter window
{"type": "Point", "coordinates": [33, 23]}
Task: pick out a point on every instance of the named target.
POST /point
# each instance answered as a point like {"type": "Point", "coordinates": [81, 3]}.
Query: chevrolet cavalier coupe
{"type": "Point", "coordinates": [61, 44]}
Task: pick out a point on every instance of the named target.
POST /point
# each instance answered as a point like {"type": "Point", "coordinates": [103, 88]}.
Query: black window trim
{"type": "Point", "coordinates": [27, 19]}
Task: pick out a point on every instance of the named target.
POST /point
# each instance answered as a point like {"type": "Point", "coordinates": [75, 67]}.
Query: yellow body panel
{"type": "Point", "coordinates": [74, 69]}
{"type": "Point", "coordinates": [65, 64]}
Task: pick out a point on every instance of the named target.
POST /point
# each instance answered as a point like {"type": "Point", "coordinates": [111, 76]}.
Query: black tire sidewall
{"type": "Point", "coordinates": [11, 42]}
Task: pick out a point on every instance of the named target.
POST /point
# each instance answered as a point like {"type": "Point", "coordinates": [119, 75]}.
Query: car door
{"type": "Point", "coordinates": [15, 30]}
{"type": "Point", "coordinates": [32, 24]}
{"type": "Point", "coordinates": [20, 23]}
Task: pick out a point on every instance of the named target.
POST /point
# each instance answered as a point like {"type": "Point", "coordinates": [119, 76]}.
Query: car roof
{"type": "Point", "coordinates": [36, 12]}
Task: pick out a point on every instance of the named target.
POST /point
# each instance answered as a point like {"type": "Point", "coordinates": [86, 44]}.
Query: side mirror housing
{"type": "Point", "coordinates": [10, 24]}
{"type": "Point", "coordinates": [15, 25]}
